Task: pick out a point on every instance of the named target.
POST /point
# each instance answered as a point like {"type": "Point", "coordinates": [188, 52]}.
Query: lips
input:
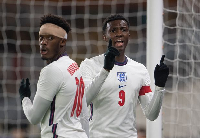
{"type": "Point", "coordinates": [43, 51]}
{"type": "Point", "coordinates": [119, 43]}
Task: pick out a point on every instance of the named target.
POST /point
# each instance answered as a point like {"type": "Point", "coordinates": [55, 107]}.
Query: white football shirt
{"type": "Point", "coordinates": [115, 104]}
{"type": "Point", "coordinates": [61, 83]}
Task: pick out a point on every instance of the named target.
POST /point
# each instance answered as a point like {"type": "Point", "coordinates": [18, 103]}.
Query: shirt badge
{"type": "Point", "coordinates": [122, 76]}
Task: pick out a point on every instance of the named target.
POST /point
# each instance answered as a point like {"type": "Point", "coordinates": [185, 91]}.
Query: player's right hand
{"type": "Point", "coordinates": [24, 90]}
{"type": "Point", "coordinates": [110, 56]}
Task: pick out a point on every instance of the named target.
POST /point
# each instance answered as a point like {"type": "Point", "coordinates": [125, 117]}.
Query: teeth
{"type": "Point", "coordinates": [119, 41]}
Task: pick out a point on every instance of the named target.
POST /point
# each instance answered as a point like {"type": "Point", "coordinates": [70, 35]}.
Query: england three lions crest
{"type": "Point", "coordinates": [122, 76]}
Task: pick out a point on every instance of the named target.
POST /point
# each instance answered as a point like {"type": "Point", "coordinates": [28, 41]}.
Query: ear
{"type": "Point", "coordinates": [105, 38]}
{"type": "Point", "coordinates": [63, 42]}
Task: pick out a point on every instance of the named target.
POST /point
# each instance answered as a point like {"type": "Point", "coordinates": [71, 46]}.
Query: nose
{"type": "Point", "coordinates": [119, 33]}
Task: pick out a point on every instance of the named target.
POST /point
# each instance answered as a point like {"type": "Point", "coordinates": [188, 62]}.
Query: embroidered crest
{"type": "Point", "coordinates": [122, 76]}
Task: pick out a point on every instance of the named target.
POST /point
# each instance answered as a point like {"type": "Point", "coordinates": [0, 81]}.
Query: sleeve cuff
{"type": "Point", "coordinates": [25, 100]}
{"type": "Point", "coordinates": [160, 89]}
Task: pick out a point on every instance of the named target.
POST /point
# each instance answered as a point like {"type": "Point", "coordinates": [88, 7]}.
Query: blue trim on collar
{"type": "Point", "coordinates": [65, 54]}
{"type": "Point", "coordinates": [122, 63]}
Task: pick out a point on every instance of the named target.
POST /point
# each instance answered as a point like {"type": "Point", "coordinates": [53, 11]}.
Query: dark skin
{"type": "Point", "coordinates": [118, 32]}
{"type": "Point", "coordinates": [51, 47]}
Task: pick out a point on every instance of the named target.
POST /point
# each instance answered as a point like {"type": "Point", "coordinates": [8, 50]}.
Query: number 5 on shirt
{"type": "Point", "coordinates": [78, 97]}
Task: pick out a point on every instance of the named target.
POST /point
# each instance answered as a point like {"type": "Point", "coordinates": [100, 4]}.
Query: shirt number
{"type": "Point", "coordinates": [122, 97]}
{"type": "Point", "coordinates": [78, 97]}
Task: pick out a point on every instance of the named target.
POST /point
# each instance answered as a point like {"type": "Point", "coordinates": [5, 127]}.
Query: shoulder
{"type": "Point", "coordinates": [137, 68]}
{"type": "Point", "coordinates": [50, 70]}
{"type": "Point", "coordinates": [94, 60]}
{"type": "Point", "coordinates": [63, 61]}
{"type": "Point", "coordinates": [136, 64]}
{"type": "Point", "coordinates": [92, 66]}
{"type": "Point", "coordinates": [59, 66]}
{"type": "Point", "coordinates": [140, 69]}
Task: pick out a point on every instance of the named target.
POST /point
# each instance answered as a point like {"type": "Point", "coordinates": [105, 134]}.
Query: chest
{"type": "Point", "coordinates": [122, 84]}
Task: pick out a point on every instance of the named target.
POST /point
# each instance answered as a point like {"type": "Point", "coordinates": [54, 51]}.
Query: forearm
{"type": "Point", "coordinates": [84, 118]}
{"type": "Point", "coordinates": [35, 112]}
{"type": "Point", "coordinates": [94, 87]}
{"type": "Point", "coordinates": [153, 109]}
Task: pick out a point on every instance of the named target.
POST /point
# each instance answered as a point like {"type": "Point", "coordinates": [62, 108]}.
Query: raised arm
{"type": "Point", "coordinates": [47, 87]}
{"type": "Point", "coordinates": [34, 112]}
{"type": "Point", "coordinates": [151, 105]}
{"type": "Point", "coordinates": [94, 82]}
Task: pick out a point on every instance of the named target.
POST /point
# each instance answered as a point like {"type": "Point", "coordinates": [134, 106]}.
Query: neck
{"type": "Point", "coordinates": [62, 53]}
{"type": "Point", "coordinates": [121, 61]}
{"type": "Point", "coordinates": [120, 58]}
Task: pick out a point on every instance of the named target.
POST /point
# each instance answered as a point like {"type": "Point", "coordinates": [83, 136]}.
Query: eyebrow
{"type": "Point", "coordinates": [121, 27]}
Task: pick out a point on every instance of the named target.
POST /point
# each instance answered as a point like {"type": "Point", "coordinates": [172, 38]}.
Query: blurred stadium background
{"type": "Point", "coordinates": [20, 58]}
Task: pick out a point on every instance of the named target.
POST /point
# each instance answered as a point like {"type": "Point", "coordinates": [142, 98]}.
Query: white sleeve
{"type": "Point", "coordinates": [84, 117]}
{"type": "Point", "coordinates": [151, 106]}
{"type": "Point", "coordinates": [93, 81]}
{"type": "Point", "coordinates": [49, 83]}
{"type": "Point", "coordinates": [36, 111]}
{"type": "Point", "coordinates": [47, 87]}
{"type": "Point", "coordinates": [94, 85]}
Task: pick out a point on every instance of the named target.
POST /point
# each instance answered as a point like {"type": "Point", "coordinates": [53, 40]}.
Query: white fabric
{"type": "Point", "coordinates": [111, 117]}
{"type": "Point", "coordinates": [84, 117]}
{"type": "Point", "coordinates": [94, 88]}
{"type": "Point", "coordinates": [56, 81]}
{"type": "Point", "coordinates": [39, 106]}
{"type": "Point", "coordinates": [151, 106]}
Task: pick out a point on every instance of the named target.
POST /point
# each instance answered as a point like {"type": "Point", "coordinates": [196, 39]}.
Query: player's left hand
{"type": "Point", "coordinates": [161, 73]}
{"type": "Point", "coordinates": [24, 90]}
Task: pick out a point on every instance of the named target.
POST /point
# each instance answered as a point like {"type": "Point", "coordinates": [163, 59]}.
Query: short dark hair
{"type": "Point", "coordinates": [57, 20]}
{"type": "Point", "coordinates": [112, 18]}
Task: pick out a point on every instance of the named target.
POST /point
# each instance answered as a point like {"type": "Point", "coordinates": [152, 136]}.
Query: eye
{"type": "Point", "coordinates": [113, 30]}
{"type": "Point", "coordinates": [124, 29]}
{"type": "Point", "coordinates": [50, 38]}
{"type": "Point", "coordinates": [40, 38]}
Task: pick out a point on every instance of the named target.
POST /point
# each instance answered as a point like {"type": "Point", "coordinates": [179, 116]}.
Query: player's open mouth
{"type": "Point", "coordinates": [43, 51]}
{"type": "Point", "coordinates": [119, 43]}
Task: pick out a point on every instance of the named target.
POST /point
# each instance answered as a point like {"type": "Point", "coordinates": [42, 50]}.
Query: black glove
{"type": "Point", "coordinates": [24, 90]}
{"type": "Point", "coordinates": [110, 56]}
{"type": "Point", "coordinates": [161, 73]}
